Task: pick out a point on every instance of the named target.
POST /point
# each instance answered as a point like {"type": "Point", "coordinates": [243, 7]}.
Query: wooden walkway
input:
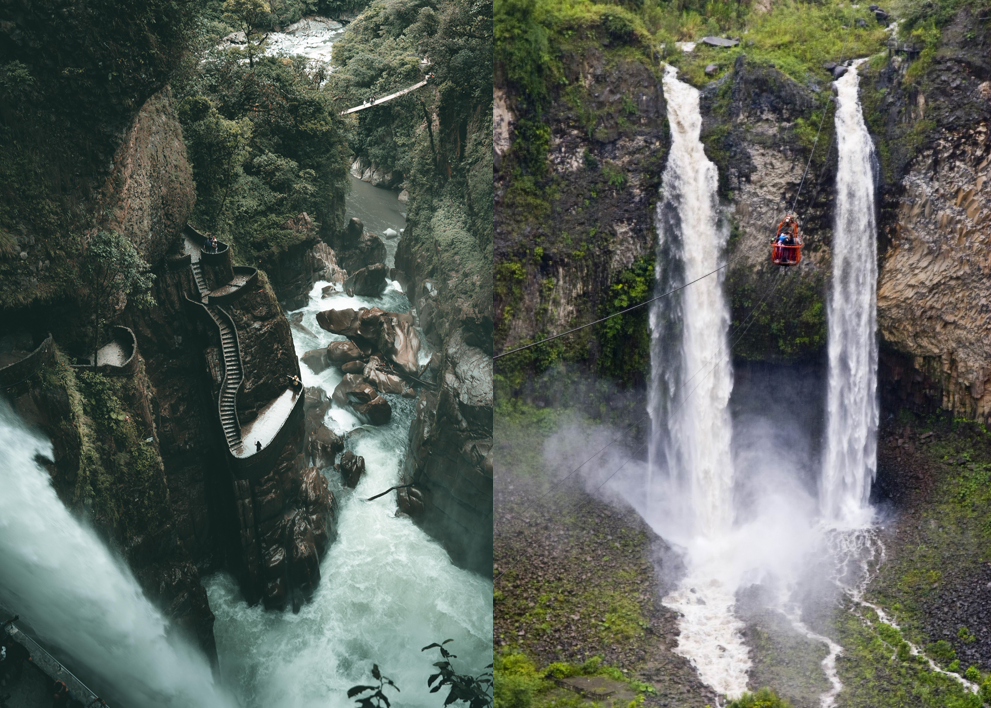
{"type": "Point", "coordinates": [384, 99]}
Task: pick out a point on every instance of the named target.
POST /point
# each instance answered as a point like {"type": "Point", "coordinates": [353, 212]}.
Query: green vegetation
{"type": "Point", "coordinates": [873, 677]}
{"type": "Point", "coordinates": [115, 273]}
{"type": "Point", "coordinates": [520, 684]}
{"type": "Point", "coordinates": [265, 141]}
{"type": "Point", "coordinates": [788, 323]}
{"type": "Point", "coordinates": [955, 517]}
{"type": "Point", "coordinates": [120, 479]}
{"type": "Point", "coordinates": [438, 138]}
{"type": "Point", "coordinates": [916, 14]}
{"type": "Point", "coordinates": [625, 341]}
{"type": "Point", "coordinates": [764, 698]}
{"type": "Point", "coordinates": [67, 91]}
{"type": "Point", "coordinates": [474, 691]}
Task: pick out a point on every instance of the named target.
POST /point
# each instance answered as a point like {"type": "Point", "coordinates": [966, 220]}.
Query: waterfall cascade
{"type": "Point", "coordinates": [691, 375]}
{"type": "Point", "coordinates": [57, 574]}
{"type": "Point", "coordinates": [852, 411]}
{"type": "Point", "coordinates": [691, 382]}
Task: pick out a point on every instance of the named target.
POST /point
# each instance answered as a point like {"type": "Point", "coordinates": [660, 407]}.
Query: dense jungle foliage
{"type": "Point", "coordinates": [437, 138]}
{"type": "Point", "coordinates": [67, 90]}
{"type": "Point", "coordinates": [265, 141]}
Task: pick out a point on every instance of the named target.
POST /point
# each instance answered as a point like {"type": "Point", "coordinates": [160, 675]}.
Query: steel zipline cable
{"type": "Point", "coordinates": [747, 324]}
{"type": "Point", "coordinates": [615, 314]}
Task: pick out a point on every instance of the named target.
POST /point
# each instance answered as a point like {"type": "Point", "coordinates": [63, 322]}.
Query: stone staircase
{"type": "Point", "coordinates": [233, 374]}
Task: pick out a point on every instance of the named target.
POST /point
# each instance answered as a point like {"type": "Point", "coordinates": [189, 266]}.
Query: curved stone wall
{"type": "Point", "coordinates": [256, 465]}
{"type": "Point", "coordinates": [26, 367]}
{"type": "Point", "coordinates": [125, 339]}
{"type": "Point", "coordinates": [229, 293]}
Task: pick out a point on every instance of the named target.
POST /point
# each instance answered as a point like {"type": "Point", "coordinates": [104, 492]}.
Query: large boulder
{"type": "Point", "coordinates": [324, 446]}
{"type": "Point", "coordinates": [369, 281]}
{"type": "Point", "coordinates": [390, 334]}
{"type": "Point", "coordinates": [376, 412]}
{"type": "Point", "coordinates": [367, 250]}
{"type": "Point", "coordinates": [325, 265]}
{"type": "Point", "coordinates": [316, 360]}
{"type": "Point", "coordinates": [342, 352]}
{"type": "Point", "coordinates": [351, 468]}
{"type": "Point", "coordinates": [376, 373]}
{"type": "Point", "coordinates": [353, 388]}
{"type": "Point", "coordinates": [353, 367]}
{"type": "Point", "coordinates": [339, 321]}
{"type": "Point", "coordinates": [398, 342]}
{"type": "Point", "coordinates": [352, 233]}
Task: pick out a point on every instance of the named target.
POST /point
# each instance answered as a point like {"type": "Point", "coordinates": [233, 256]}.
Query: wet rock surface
{"type": "Point", "coordinates": [351, 467]}
{"type": "Point", "coordinates": [369, 281]}
{"type": "Point", "coordinates": [449, 457]}
{"type": "Point", "coordinates": [373, 330]}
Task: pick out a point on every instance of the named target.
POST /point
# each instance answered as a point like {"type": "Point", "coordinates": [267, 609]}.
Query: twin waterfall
{"type": "Point", "coordinates": [691, 475]}
{"type": "Point", "coordinates": [851, 433]}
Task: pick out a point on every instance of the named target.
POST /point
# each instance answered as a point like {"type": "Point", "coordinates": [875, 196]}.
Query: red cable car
{"type": "Point", "coordinates": [786, 255]}
{"type": "Point", "coordinates": [786, 248]}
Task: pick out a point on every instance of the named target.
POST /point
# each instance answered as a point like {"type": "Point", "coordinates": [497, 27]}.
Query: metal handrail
{"type": "Point", "coordinates": [51, 666]}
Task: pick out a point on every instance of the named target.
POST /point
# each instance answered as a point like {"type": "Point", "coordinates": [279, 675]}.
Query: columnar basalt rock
{"type": "Point", "coordinates": [934, 285]}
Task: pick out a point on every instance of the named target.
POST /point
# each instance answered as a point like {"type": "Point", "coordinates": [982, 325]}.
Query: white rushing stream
{"type": "Point", "coordinates": [386, 590]}
{"type": "Point", "coordinates": [852, 411]}
{"type": "Point", "coordinates": [691, 432]}
{"type": "Point", "coordinates": [78, 598]}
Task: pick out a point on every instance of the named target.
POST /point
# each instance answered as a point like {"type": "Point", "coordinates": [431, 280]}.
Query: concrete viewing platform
{"type": "Point", "coordinates": [266, 426]}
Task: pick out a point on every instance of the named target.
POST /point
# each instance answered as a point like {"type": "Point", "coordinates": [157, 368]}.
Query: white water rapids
{"type": "Point", "coordinates": [852, 411]}
{"type": "Point", "coordinates": [78, 598]}
{"type": "Point", "coordinates": [387, 589]}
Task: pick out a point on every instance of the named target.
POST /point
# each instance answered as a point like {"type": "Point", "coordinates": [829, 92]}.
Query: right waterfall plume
{"type": "Point", "coordinates": [852, 410]}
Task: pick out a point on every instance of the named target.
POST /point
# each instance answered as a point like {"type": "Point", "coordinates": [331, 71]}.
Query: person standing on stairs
{"type": "Point", "coordinates": [258, 446]}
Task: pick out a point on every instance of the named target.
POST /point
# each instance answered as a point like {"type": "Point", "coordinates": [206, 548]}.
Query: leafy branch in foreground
{"type": "Point", "coordinates": [476, 691]}
{"type": "Point", "coordinates": [377, 697]}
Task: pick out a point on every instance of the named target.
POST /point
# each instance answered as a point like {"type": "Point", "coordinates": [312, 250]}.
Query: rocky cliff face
{"type": "Point", "coordinates": [931, 136]}
{"type": "Point", "coordinates": [144, 455]}
{"type": "Point", "coordinates": [562, 240]}
{"type": "Point", "coordinates": [933, 287]}
{"type": "Point", "coordinates": [449, 271]}
{"type": "Point", "coordinates": [150, 192]}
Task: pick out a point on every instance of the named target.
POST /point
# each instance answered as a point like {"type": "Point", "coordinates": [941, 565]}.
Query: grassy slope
{"type": "Point", "coordinates": [933, 584]}
{"type": "Point", "coordinates": [576, 584]}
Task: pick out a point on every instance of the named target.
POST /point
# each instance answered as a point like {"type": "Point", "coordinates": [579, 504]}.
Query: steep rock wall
{"type": "Point", "coordinates": [150, 193]}
{"type": "Point", "coordinates": [449, 268]}
{"type": "Point", "coordinates": [563, 239]}
{"type": "Point", "coordinates": [935, 224]}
